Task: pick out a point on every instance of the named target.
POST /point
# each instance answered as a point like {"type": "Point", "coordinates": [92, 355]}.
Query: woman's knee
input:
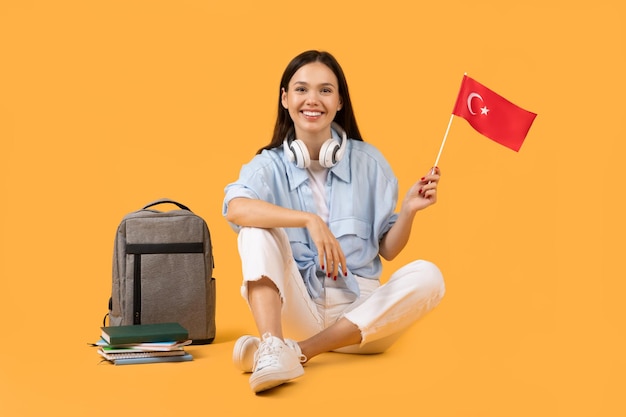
{"type": "Point", "coordinates": [427, 277]}
{"type": "Point", "coordinates": [251, 239]}
{"type": "Point", "coordinates": [252, 235]}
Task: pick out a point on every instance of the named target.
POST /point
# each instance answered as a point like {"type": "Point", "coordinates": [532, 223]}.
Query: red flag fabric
{"type": "Point", "coordinates": [492, 115]}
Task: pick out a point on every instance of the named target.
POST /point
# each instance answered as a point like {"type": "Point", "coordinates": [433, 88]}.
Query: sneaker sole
{"type": "Point", "coordinates": [264, 382]}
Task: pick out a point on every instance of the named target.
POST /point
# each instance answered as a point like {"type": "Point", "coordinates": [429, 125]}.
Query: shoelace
{"type": "Point", "coordinates": [268, 353]}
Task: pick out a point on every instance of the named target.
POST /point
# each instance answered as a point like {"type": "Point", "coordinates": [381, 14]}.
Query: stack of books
{"type": "Point", "coordinates": [144, 343]}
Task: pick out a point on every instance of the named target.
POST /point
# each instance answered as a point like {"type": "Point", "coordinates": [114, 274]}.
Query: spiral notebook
{"type": "Point", "coordinates": [134, 355]}
{"type": "Point", "coordinates": [156, 359]}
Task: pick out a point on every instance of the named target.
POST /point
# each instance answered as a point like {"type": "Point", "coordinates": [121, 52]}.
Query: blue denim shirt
{"type": "Point", "coordinates": [361, 190]}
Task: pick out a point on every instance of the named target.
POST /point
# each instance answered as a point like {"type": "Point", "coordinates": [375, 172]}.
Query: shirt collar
{"type": "Point", "coordinates": [295, 176]}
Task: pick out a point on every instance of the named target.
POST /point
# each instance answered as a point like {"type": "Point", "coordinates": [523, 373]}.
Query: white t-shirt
{"type": "Point", "coordinates": [318, 174]}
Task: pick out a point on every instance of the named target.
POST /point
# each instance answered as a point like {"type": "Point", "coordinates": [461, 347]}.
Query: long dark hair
{"type": "Point", "coordinates": [345, 117]}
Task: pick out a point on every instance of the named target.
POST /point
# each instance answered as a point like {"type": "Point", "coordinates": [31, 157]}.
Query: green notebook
{"type": "Point", "coordinates": [141, 333]}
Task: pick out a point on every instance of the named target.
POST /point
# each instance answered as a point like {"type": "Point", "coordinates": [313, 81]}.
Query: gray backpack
{"type": "Point", "coordinates": [162, 271]}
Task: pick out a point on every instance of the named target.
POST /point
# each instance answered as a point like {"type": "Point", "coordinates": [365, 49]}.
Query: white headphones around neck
{"type": "Point", "coordinates": [331, 151]}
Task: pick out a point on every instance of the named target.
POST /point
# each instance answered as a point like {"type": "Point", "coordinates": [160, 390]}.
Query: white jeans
{"type": "Point", "coordinates": [382, 312]}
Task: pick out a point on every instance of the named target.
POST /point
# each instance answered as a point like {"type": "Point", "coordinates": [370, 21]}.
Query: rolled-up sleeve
{"type": "Point", "coordinates": [236, 190]}
{"type": "Point", "coordinates": [252, 183]}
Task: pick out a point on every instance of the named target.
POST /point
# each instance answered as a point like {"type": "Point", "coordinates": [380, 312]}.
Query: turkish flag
{"type": "Point", "coordinates": [492, 115]}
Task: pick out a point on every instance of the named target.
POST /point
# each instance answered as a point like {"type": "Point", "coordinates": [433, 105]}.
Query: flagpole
{"type": "Point", "coordinates": [445, 136]}
{"type": "Point", "coordinates": [443, 142]}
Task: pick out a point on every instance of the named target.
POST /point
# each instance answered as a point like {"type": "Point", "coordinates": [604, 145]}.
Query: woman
{"type": "Point", "coordinates": [314, 216]}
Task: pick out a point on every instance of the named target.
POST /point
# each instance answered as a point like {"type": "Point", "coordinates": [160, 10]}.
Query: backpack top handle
{"type": "Point", "coordinates": [164, 201]}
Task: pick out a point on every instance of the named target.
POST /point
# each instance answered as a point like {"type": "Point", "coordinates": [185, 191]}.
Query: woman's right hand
{"type": "Point", "coordinates": [332, 258]}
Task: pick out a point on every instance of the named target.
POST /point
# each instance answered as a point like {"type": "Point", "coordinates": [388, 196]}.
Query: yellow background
{"type": "Point", "coordinates": [107, 105]}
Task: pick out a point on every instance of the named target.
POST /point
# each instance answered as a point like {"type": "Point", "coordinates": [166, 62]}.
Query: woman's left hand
{"type": "Point", "coordinates": [424, 192]}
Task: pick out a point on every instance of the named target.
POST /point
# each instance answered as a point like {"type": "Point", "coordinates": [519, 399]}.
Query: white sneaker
{"type": "Point", "coordinates": [275, 363]}
{"type": "Point", "coordinates": [246, 347]}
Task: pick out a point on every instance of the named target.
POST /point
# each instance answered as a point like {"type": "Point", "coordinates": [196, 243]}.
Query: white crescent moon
{"type": "Point", "coordinates": [469, 101]}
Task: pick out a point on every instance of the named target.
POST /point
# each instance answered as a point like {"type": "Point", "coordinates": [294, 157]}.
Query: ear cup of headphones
{"type": "Point", "coordinates": [299, 154]}
{"type": "Point", "coordinates": [331, 152]}
{"type": "Point", "coordinates": [328, 153]}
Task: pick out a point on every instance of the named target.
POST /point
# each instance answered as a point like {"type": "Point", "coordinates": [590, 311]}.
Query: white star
{"type": "Point", "coordinates": [484, 110]}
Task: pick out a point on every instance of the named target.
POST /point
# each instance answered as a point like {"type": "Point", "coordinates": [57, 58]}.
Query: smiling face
{"type": "Point", "coordinates": [312, 99]}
